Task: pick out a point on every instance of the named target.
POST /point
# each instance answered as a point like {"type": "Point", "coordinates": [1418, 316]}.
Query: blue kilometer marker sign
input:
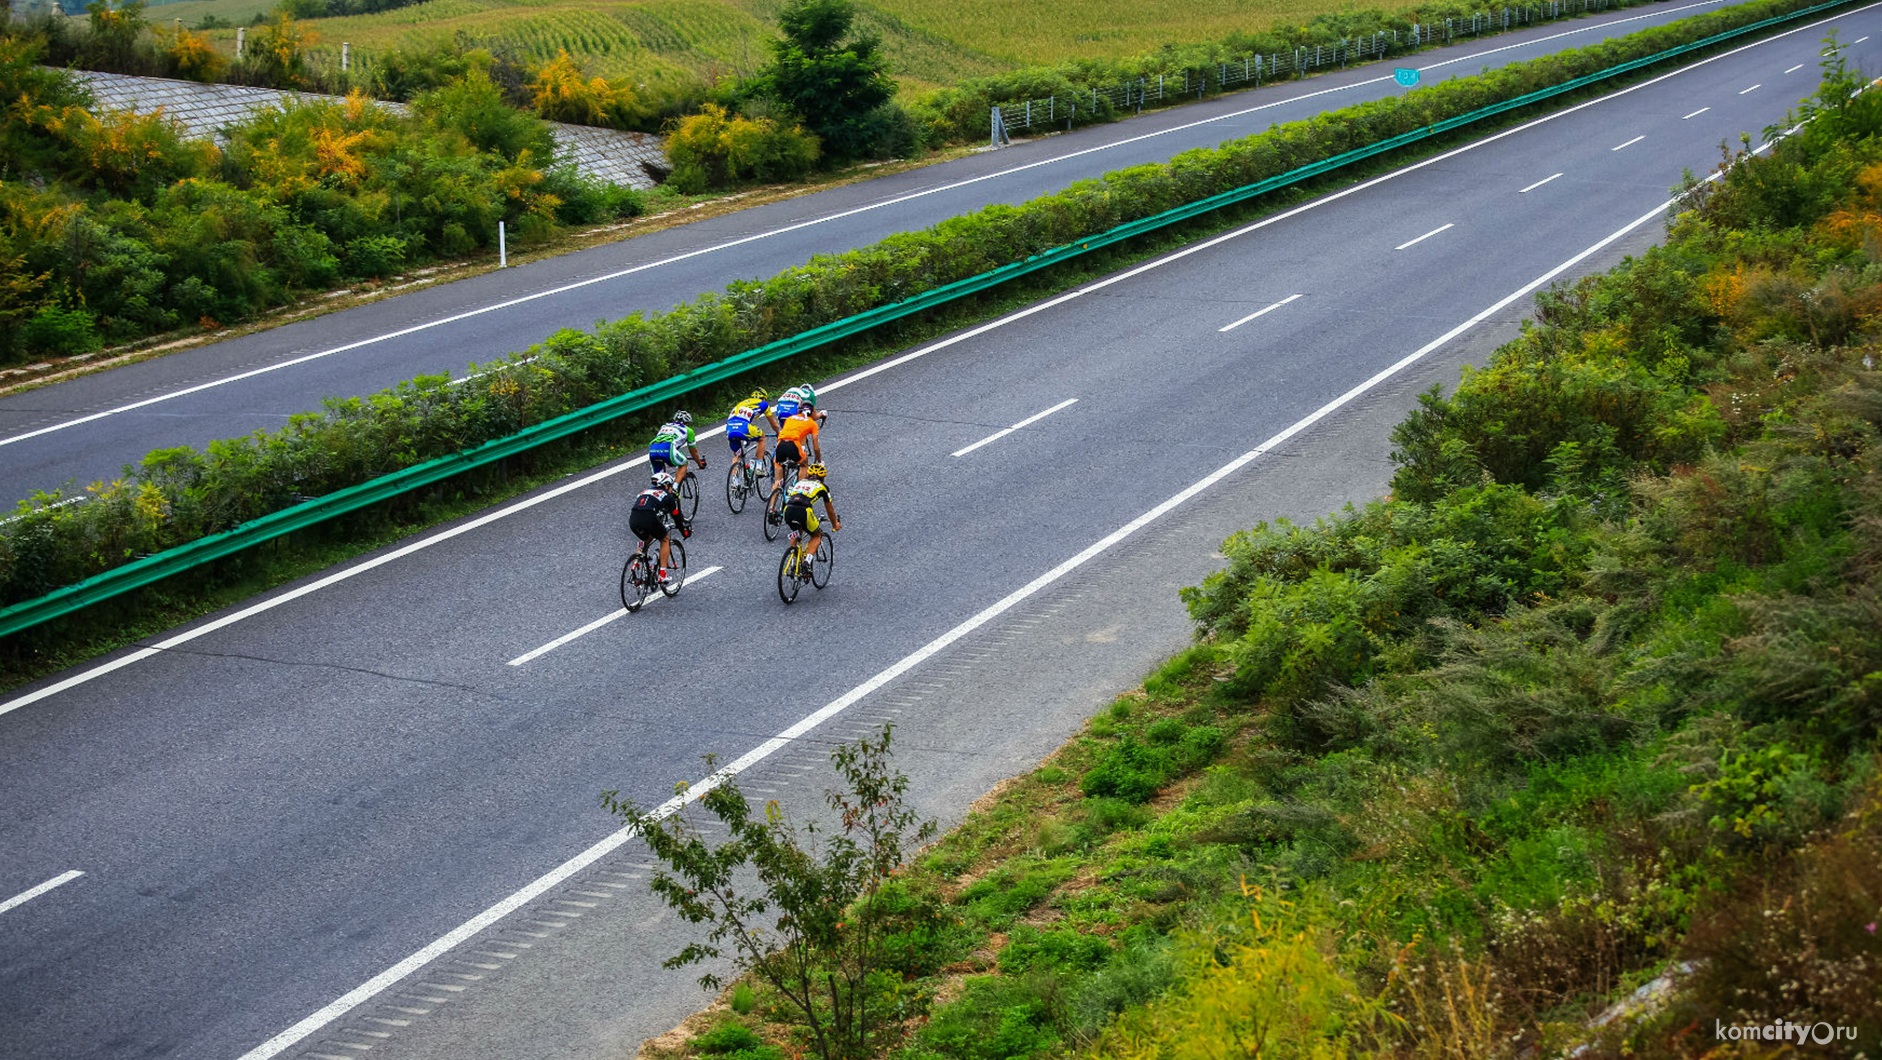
{"type": "Point", "coordinates": [1405, 76]}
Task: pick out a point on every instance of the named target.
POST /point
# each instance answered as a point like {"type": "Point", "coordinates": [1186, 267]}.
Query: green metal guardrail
{"type": "Point", "coordinates": [149, 569]}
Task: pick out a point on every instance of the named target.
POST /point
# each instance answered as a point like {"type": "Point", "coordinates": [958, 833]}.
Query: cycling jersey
{"type": "Point", "coordinates": [669, 446]}
{"type": "Point", "coordinates": [644, 518]}
{"type": "Point", "coordinates": [745, 415]}
{"type": "Point", "coordinates": [791, 402]}
{"type": "Point", "coordinates": [797, 428]}
{"type": "Point", "coordinates": [806, 492]}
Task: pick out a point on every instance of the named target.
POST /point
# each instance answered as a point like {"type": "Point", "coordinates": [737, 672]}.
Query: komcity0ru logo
{"type": "Point", "coordinates": [1783, 1031]}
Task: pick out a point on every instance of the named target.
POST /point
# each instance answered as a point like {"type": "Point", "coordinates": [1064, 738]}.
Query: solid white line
{"type": "Point", "coordinates": [1040, 307]}
{"type": "Point", "coordinates": [793, 228]}
{"type": "Point", "coordinates": [997, 435]}
{"type": "Point", "coordinates": [26, 896]}
{"type": "Point", "coordinates": [1259, 312]}
{"type": "Point", "coordinates": [1537, 184]}
{"type": "Point", "coordinates": [470, 928]}
{"type": "Point", "coordinates": [599, 622]}
{"type": "Point", "coordinates": [1794, 69]}
{"type": "Point", "coordinates": [1753, 88]}
{"type": "Point", "coordinates": [1629, 143]}
{"type": "Point", "coordinates": [1424, 237]}
{"type": "Point", "coordinates": [1696, 113]}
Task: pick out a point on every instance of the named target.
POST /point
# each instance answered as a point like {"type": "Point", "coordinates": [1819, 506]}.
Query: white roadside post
{"type": "Point", "coordinates": [503, 248]}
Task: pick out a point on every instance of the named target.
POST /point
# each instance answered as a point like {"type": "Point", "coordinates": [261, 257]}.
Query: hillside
{"type": "Point", "coordinates": [931, 43]}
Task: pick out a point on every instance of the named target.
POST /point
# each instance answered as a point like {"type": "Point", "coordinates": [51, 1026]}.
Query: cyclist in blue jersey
{"type": "Point", "coordinates": [795, 400]}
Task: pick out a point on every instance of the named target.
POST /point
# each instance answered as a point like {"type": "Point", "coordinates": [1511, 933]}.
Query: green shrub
{"type": "Point", "coordinates": [1130, 771]}
{"type": "Point", "coordinates": [55, 331]}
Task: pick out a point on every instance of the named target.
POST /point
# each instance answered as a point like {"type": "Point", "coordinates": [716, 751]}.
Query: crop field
{"type": "Point", "coordinates": [929, 42]}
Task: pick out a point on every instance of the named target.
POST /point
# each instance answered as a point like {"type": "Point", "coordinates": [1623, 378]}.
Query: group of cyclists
{"type": "Point", "coordinates": [796, 421]}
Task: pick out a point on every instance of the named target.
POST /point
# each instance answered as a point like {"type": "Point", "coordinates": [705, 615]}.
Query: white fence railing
{"type": "Point", "coordinates": [1105, 103]}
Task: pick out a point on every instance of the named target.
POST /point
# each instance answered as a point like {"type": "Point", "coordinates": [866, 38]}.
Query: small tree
{"type": "Point", "coordinates": [817, 887]}
{"type": "Point", "coordinates": [833, 80]}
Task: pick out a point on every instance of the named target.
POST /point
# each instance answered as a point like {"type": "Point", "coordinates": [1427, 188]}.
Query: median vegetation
{"type": "Point", "coordinates": [114, 226]}
{"type": "Point", "coordinates": [1569, 747]}
{"type": "Point", "coordinates": [175, 496]}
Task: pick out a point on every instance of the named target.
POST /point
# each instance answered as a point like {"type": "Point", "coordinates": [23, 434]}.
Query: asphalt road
{"type": "Point", "coordinates": [88, 428]}
{"type": "Point", "coordinates": [339, 817]}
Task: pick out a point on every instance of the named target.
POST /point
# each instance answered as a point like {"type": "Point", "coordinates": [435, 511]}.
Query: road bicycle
{"type": "Point", "coordinates": [745, 477]}
{"type": "Point", "coordinates": [640, 577]}
{"type": "Point", "coordinates": [791, 573]}
{"type": "Point", "coordinates": [774, 504]}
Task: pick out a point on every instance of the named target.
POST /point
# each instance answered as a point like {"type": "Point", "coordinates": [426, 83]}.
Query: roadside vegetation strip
{"type": "Point", "coordinates": [1590, 702]}
{"type": "Point", "coordinates": [362, 452]}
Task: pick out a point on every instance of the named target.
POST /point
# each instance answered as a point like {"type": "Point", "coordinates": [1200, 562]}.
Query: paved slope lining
{"type": "Point", "coordinates": [205, 110]}
{"type": "Point", "coordinates": [276, 812]}
{"type": "Point", "coordinates": [371, 347]}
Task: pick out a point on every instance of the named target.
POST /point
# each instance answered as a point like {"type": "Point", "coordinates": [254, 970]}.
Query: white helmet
{"type": "Point", "coordinates": [664, 480]}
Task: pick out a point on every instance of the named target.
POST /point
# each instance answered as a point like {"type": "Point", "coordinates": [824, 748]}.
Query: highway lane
{"type": "Point", "coordinates": [273, 813]}
{"type": "Point", "coordinates": [87, 428]}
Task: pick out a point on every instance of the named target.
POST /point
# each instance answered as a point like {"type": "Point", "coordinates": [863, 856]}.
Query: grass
{"type": "Point", "coordinates": [930, 43]}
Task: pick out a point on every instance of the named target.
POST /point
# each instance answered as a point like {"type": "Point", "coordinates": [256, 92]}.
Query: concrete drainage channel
{"type": "Point", "coordinates": [205, 110]}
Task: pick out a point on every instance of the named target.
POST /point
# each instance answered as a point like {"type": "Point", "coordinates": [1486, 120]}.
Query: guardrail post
{"type": "Point", "coordinates": [241, 41]}
{"type": "Point", "coordinates": [503, 247]}
{"type": "Point", "coordinates": [346, 56]}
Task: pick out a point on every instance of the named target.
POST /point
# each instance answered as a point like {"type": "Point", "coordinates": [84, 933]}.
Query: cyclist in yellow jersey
{"type": "Point", "coordinates": [800, 511]}
{"type": "Point", "coordinates": [746, 424]}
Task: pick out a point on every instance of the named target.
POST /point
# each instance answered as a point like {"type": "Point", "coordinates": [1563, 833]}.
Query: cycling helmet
{"type": "Point", "coordinates": [683, 418]}
{"type": "Point", "coordinates": [761, 394]}
{"type": "Point", "coordinates": [810, 396]}
{"type": "Point", "coordinates": [664, 480]}
{"type": "Point", "coordinates": [816, 471]}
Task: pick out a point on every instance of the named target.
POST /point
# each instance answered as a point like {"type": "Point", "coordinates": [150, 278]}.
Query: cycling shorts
{"type": "Point", "coordinates": [660, 456]}
{"type": "Point", "coordinates": [788, 452]}
{"type": "Point", "coordinates": [647, 526]}
{"type": "Point", "coordinates": [738, 440]}
{"type": "Point", "coordinates": [801, 517]}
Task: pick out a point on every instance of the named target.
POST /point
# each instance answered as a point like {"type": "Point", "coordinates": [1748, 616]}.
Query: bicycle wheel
{"type": "Point", "coordinates": [689, 496]}
{"type": "Point", "coordinates": [761, 473]}
{"type": "Point", "coordinates": [773, 520]}
{"type": "Point", "coordinates": [676, 567]}
{"type": "Point", "coordinates": [735, 487]}
{"type": "Point", "coordinates": [636, 582]}
{"type": "Point", "coordinates": [826, 555]}
{"type": "Point", "coordinates": [788, 581]}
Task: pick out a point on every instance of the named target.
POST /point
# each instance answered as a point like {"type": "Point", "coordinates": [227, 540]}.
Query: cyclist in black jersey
{"type": "Point", "coordinates": [644, 518]}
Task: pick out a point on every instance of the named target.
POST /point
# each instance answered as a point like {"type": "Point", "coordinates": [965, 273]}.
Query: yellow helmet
{"type": "Point", "coordinates": [816, 471]}
{"type": "Point", "coordinates": [761, 394]}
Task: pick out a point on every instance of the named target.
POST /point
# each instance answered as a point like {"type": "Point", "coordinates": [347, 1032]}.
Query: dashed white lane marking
{"type": "Point", "coordinates": [1629, 143]}
{"type": "Point", "coordinates": [26, 896]}
{"type": "Point", "coordinates": [894, 362]}
{"type": "Point", "coordinates": [602, 621]}
{"type": "Point", "coordinates": [1259, 312]}
{"type": "Point", "coordinates": [561, 874]}
{"type": "Point", "coordinates": [1753, 88]}
{"type": "Point", "coordinates": [1696, 113]}
{"type": "Point", "coordinates": [401, 333]}
{"type": "Point", "coordinates": [999, 434]}
{"type": "Point", "coordinates": [1794, 69]}
{"type": "Point", "coordinates": [1537, 184]}
{"type": "Point", "coordinates": [1427, 235]}
{"type": "Point", "coordinates": [1859, 40]}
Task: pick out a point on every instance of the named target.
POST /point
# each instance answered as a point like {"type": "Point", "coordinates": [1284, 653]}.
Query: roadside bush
{"type": "Point", "coordinates": [560, 91]}
{"type": "Point", "coordinates": [717, 149]}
